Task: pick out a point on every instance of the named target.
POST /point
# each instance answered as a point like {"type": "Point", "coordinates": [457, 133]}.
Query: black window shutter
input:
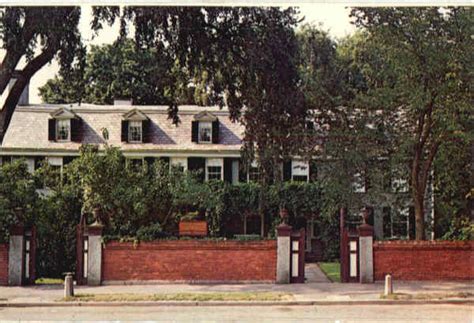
{"type": "Point", "coordinates": [411, 222]}
{"type": "Point", "coordinates": [6, 159]}
{"type": "Point", "coordinates": [194, 131]}
{"type": "Point", "coordinates": [228, 169]}
{"type": "Point", "coordinates": [146, 133]}
{"type": "Point", "coordinates": [197, 164]}
{"type": "Point", "coordinates": [124, 130]}
{"type": "Point", "coordinates": [366, 179]}
{"type": "Point", "coordinates": [76, 129]}
{"type": "Point", "coordinates": [242, 172]}
{"type": "Point", "coordinates": [370, 211]}
{"type": "Point", "coordinates": [387, 222]}
{"type": "Point", "coordinates": [215, 132]}
{"type": "Point", "coordinates": [313, 171]}
{"type": "Point", "coordinates": [39, 161]}
{"type": "Point", "coordinates": [68, 159]}
{"type": "Point", "coordinates": [165, 160]}
{"type": "Point", "coordinates": [52, 129]}
{"type": "Point", "coordinates": [287, 170]}
{"type": "Point", "coordinates": [149, 160]}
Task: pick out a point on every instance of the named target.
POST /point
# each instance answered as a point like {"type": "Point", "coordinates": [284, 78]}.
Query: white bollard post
{"type": "Point", "coordinates": [68, 285]}
{"type": "Point", "coordinates": [388, 285]}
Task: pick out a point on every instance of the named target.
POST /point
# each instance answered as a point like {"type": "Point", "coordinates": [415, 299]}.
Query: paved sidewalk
{"type": "Point", "coordinates": [309, 292]}
{"type": "Point", "coordinates": [314, 274]}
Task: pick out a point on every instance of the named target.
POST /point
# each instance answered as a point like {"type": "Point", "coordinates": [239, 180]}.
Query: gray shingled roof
{"type": "Point", "coordinates": [29, 128]}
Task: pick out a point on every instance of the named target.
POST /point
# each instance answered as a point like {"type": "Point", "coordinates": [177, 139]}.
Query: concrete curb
{"type": "Point", "coordinates": [244, 303]}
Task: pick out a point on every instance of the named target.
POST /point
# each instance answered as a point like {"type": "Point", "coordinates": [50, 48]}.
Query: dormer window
{"type": "Point", "coordinates": [135, 133]}
{"type": "Point", "coordinates": [63, 130]}
{"type": "Point", "coordinates": [64, 126]}
{"type": "Point", "coordinates": [135, 127]}
{"type": "Point", "coordinates": [205, 128]}
{"type": "Point", "coordinates": [205, 132]}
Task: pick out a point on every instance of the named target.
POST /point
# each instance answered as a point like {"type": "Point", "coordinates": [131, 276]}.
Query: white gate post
{"type": "Point", "coordinates": [283, 253]}
{"type": "Point", "coordinates": [15, 255]}
{"type": "Point", "coordinates": [94, 254]}
{"type": "Point", "coordinates": [366, 252]}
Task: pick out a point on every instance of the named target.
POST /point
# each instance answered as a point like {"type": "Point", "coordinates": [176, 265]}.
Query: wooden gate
{"type": "Point", "coordinates": [297, 262]}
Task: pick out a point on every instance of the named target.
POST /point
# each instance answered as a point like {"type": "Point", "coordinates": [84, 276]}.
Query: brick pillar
{"type": "Point", "coordinates": [94, 263]}
{"type": "Point", "coordinates": [366, 256]}
{"type": "Point", "coordinates": [283, 253]}
{"type": "Point", "coordinates": [15, 255]}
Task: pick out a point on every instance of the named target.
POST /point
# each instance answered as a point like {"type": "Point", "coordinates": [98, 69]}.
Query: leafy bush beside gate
{"type": "Point", "coordinates": [18, 197]}
{"type": "Point", "coordinates": [141, 203]}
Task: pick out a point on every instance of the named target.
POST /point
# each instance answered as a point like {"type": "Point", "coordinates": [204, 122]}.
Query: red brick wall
{"type": "Point", "coordinates": [4, 264]}
{"type": "Point", "coordinates": [190, 260]}
{"type": "Point", "coordinates": [424, 260]}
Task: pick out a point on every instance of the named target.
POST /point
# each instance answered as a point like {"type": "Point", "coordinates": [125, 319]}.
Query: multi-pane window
{"type": "Point", "coordinates": [214, 172]}
{"type": "Point", "coordinates": [63, 130]}
{"type": "Point", "coordinates": [205, 132]}
{"type": "Point", "coordinates": [135, 163]}
{"type": "Point", "coordinates": [399, 185]}
{"type": "Point", "coordinates": [135, 131]}
{"type": "Point", "coordinates": [214, 167]}
{"type": "Point", "coordinates": [358, 185]}
{"type": "Point", "coordinates": [254, 172]}
{"type": "Point", "coordinates": [299, 171]}
{"type": "Point", "coordinates": [179, 163]}
{"type": "Point", "coordinates": [395, 222]}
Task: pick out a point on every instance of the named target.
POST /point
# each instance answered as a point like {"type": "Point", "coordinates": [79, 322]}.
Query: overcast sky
{"type": "Point", "coordinates": [332, 17]}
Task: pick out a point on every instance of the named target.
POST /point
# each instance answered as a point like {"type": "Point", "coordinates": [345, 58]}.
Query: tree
{"type": "Point", "coordinates": [52, 31]}
{"type": "Point", "coordinates": [18, 197]}
{"type": "Point", "coordinates": [118, 70]}
{"type": "Point", "coordinates": [242, 57]}
{"type": "Point", "coordinates": [423, 87]}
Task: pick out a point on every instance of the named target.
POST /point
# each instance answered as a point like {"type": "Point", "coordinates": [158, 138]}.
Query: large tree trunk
{"type": "Point", "coordinates": [14, 53]}
{"type": "Point", "coordinates": [419, 215]}
{"type": "Point", "coordinates": [24, 77]}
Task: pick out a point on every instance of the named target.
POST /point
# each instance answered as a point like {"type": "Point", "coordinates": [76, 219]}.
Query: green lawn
{"type": "Point", "coordinates": [49, 281]}
{"type": "Point", "coordinates": [331, 270]}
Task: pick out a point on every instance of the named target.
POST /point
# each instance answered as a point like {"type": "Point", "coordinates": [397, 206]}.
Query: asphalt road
{"type": "Point", "coordinates": [353, 313]}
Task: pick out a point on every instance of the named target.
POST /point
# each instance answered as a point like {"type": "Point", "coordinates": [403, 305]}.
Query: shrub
{"type": "Point", "coordinates": [18, 197]}
{"type": "Point", "coordinates": [247, 237]}
{"type": "Point", "coordinates": [150, 232]}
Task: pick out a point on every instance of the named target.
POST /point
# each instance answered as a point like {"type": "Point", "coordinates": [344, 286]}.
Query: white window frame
{"type": "Point", "coordinates": [55, 161]}
{"type": "Point", "coordinates": [202, 125]}
{"type": "Point", "coordinates": [253, 165]}
{"type": "Point", "coordinates": [68, 122]}
{"type": "Point", "coordinates": [30, 163]}
{"type": "Point", "coordinates": [179, 162]}
{"type": "Point", "coordinates": [399, 185]}
{"type": "Point", "coordinates": [215, 162]}
{"type": "Point", "coordinates": [299, 168]}
{"type": "Point", "coordinates": [129, 159]}
{"type": "Point", "coordinates": [358, 185]}
{"type": "Point", "coordinates": [399, 215]}
{"type": "Point", "coordinates": [135, 124]}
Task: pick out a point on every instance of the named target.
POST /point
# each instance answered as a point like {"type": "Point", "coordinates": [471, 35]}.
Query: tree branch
{"type": "Point", "coordinates": [14, 54]}
{"type": "Point", "coordinates": [25, 75]}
